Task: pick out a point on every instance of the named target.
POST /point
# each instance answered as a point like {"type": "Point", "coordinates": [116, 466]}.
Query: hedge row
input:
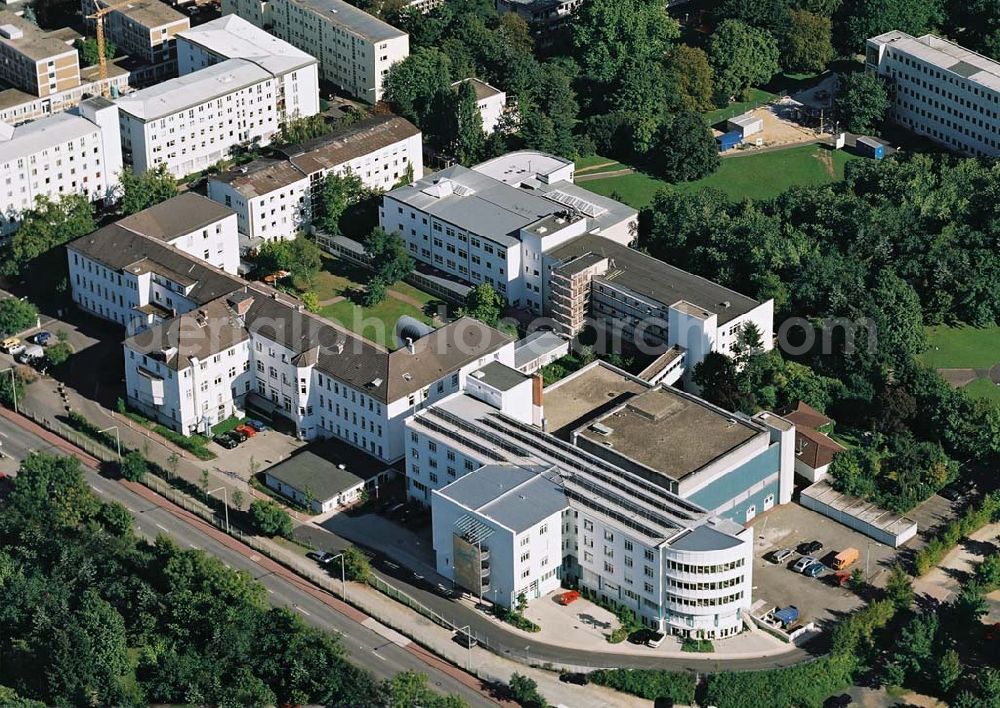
{"type": "Point", "coordinates": [804, 684]}
{"type": "Point", "coordinates": [648, 683]}
{"type": "Point", "coordinates": [974, 518]}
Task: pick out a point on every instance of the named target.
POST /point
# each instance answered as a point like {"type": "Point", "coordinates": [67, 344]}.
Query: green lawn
{"type": "Point", "coordinates": [985, 389]}
{"type": "Point", "coordinates": [758, 97]}
{"type": "Point", "coordinates": [376, 324]}
{"type": "Point", "coordinates": [591, 160]}
{"type": "Point", "coordinates": [759, 176]}
{"type": "Point", "coordinates": [962, 347]}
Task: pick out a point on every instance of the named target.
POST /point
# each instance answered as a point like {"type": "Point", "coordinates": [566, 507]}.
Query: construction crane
{"type": "Point", "coordinates": [102, 60]}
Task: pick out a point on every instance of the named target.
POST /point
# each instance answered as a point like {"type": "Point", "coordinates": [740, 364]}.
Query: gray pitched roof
{"type": "Point", "coordinates": [327, 469]}
{"type": "Point", "coordinates": [177, 216]}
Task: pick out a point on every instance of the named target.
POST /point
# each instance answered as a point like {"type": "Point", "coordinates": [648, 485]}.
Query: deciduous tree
{"type": "Point", "coordinates": [270, 519]}
{"type": "Point", "coordinates": [145, 190]}
{"type": "Point", "coordinates": [808, 42]}
{"type": "Point", "coordinates": [862, 102]}
{"type": "Point", "coordinates": [741, 56]}
{"type": "Point", "coordinates": [685, 149]}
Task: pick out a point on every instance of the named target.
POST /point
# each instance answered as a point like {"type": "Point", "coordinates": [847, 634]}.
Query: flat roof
{"type": "Point", "coordinates": [868, 512]}
{"type": "Point", "coordinates": [946, 55]}
{"type": "Point", "coordinates": [499, 376]}
{"type": "Point", "coordinates": [193, 89]}
{"type": "Point", "coordinates": [152, 14]}
{"type": "Point", "coordinates": [44, 133]}
{"type": "Point", "coordinates": [519, 166]}
{"type": "Point", "coordinates": [475, 201]}
{"type": "Point", "coordinates": [260, 177]}
{"type": "Point", "coordinates": [584, 394]}
{"type": "Point", "coordinates": [654, 279]}
{"type": "Point", "coordinates": [705, 538]}
{"type": "Point", "coordinates": [34, 43]}
{"type": "Point", "coordinates": [176, 217]}
{"type": "Point", "coordinates": [232, 37]}
{"type": "Point", "coordinates": [327, 469]}
{"type": "Point", "coordinates": [668, 432]}
{"type": "Point", "coordinates": [353, 19]}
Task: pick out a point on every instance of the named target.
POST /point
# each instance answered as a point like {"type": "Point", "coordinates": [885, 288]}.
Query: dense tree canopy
{"type": "Point", "coordinates": [16, 315]}
{"type": "Point", "coordinates": [87, 48]}
{"type": "Point", "coordinates": [611, 35]}
{"type": "Point", "coordinates": [741, 56]}
{"type": "Point", "coordinates": [860, 19]}
{"type": "Point", "coordinates": [147, 189]}
{"type": "Point", "coordinates": [47, 225]}
{"type": "Point", "coordinates": [807, 42]}
{"type": "Point", "coordinates": [862, 102]}
{"type": "Point", "coordinates": [685, 148]}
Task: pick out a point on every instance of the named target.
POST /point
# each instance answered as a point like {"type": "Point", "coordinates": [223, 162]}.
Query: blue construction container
{"type": "Point", "coordinates": [870, 147]}
{"type": "Point", "coordinates": [729, 140]}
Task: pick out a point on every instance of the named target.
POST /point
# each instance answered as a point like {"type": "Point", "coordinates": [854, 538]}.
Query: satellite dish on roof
{"type": "Point", "coordinates": [410, 328]}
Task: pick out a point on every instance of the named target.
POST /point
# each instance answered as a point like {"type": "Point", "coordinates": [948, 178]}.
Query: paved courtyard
{"type": "Point", "coordinates": [261, 451]}
{"type": "Point", "coordinates": [585, 625]}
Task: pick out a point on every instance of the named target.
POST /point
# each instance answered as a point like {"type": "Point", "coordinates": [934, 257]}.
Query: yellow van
{"type": "Point", "coordinates": [9, 344]}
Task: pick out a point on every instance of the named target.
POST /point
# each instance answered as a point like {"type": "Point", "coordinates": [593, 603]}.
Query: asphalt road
{"type": "Point", "coordinates": [365, 647]}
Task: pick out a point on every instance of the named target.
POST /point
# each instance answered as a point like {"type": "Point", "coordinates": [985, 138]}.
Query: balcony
{"type": "Point", "coordinates": [484, 572]}
{"type": "Point", "coordinates": [484, 555]}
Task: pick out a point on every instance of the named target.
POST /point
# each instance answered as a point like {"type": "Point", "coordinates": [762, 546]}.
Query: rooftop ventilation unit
{"type": "Point", "coordinates": [580, 205]}
{"type": "Point", "coordinates": [601, 429]}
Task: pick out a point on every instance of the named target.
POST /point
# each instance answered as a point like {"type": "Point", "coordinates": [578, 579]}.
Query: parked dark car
{"type": "Point", "coordinates": [810, 548]}
{"type": "Point", "coordinates": [465, 639]}
{"type": "Point", "coordinates": [579, 679]}
{"type": "Point", "coordinates": [958, 490]}
{"type": "Point", "coordinates": [42, 338]}
{"type": "Point", "coordinates": [321, 557]}
{"type": "Point", "coordinates": [237, 435]}
{"type": "Point", "coordinates": [225, 441]}
{"type": "Point", "coordinates": [255, 424]}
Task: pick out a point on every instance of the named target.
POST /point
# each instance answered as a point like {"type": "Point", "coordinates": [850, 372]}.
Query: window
{"type": "Point", "coordinates": [628, 545]}
{"type": "Point", "coordinates": [525, 556]}
{"type": "Point", "coordinates": [608, 568]}
{"type": "Point", "coordinates": [588, 525]}
{"type": "Point", "coordinates": [543, 529]}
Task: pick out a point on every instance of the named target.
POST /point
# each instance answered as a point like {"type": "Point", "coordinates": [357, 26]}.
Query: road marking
{"type": "Point", "coordinates": [375, 652]}
{"type": "Point", "coordinates": [161, 527]}
{"type": "Point", "coordinates": [99, 491]}
{"type": "Point", "coordinates": [194, 547]}
{"type": "Point", "coordinates": [302, 611]}
{"type": "Point", "coordinates": [269, 590]}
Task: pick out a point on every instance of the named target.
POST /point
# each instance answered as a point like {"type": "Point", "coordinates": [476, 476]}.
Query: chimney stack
{"type": "Point", "coordinates": [537, 407]}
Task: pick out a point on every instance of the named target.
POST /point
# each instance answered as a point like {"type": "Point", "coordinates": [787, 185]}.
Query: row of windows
{"type": "Point", "coordinates": [731, 582]}
{"type": "Point", "coordinates": [704, 601]}
{"type": "Point", "coordinates": [722, 568]}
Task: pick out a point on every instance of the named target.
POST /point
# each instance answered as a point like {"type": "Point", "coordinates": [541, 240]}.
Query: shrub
{"type": "Point", "coordinates": [524, 690]}
{"type": "Point", "coordinates": [973, 519]}
{"type": "Point", "coordinates": [356, 566]}
{"type": "Point", "coordinates": [269, 519]}
{"type": "Point", "coordinates": [650, 684]}
{"type": "Point", "coordinates": [697, 646]}
{"type": "Point", "coordinates": [133, 467]}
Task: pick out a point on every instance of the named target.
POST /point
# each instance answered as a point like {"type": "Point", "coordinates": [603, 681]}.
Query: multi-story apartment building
{"type": "Point", "coordinates": [231, 37]}
{"type": "Point", "coordinates": [36, 61]}
{"type": "Point", "coordinates": [355, 50]}
{"type": "Point", "coordinates": [653, 520]}
{"type": "Point", "coordinates": [491, 102]}
{"type": "Point", "coordinates": [204, 342]}
{"type": "Point", "coordinates": [640, 300]}
{"type": "Point", "coordinates": [195, 120]}
{"type": "Point", "coordinates": [273, 198]}
{"type": "Point", "coordinates": [940, 90]}
{"type": "Point", "coordinates": [17, 106]}
{"type": "Point", "coordinates": [145, 30]}
{"type": "Point", "coordinates": [76, 152]}
{"type": "Point", "coordinates": [494, 223]}
{"type": "Point", "coordinates": [193, 224]}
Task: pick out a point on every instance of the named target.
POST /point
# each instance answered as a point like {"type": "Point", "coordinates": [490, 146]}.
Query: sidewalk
{"type": "Point", "coordinates": [946, 578]}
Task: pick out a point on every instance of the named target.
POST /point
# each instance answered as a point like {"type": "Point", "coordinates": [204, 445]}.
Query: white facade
{"type": "Point", "coordinates": [539, 521]}
{"type": "Point", "coordinates": [232, 37]}
{"type": "Point", "coordinates": [273, 199]}
{"type": "Point", "coordinates": [145, 30]}
{"type": "Point", "coordinates": [272, 202]}
{"type": "Point", "coordinates": [495, 222]}
{"type": "Point", "coordinates": [491, 102]}
{"type": "Point", "coordinates": [940, 90]}
{"type": "Point", "coordinates": [191, 122]}
{"type": "Point", "coordinates": [355, 50]}
{"type": "Point", "coordinates": [68, 153]}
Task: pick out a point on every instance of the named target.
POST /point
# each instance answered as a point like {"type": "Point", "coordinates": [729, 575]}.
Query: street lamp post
{"type": "Point", "coordinates": [13, 385]}
{"type": "Point", "coordinates": [343, 578]}
{"type": "Point", "coordinates": [118, 440]}
{"type": "Point", "coordinates": [225, 502]}
{"type": "Point", "coordinates": [868, 557]}
{"type": "Point", "coordinates": [467, 633]}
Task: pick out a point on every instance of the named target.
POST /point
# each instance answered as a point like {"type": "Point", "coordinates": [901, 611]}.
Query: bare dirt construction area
{"type": "Point", "coordinates": [777, 132]}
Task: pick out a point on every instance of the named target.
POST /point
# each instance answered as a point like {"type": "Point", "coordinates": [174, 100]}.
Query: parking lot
{"type": "Point", "coordinates": [818, 599]}
{"type": "Point", "coordinates": [266, 449]}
